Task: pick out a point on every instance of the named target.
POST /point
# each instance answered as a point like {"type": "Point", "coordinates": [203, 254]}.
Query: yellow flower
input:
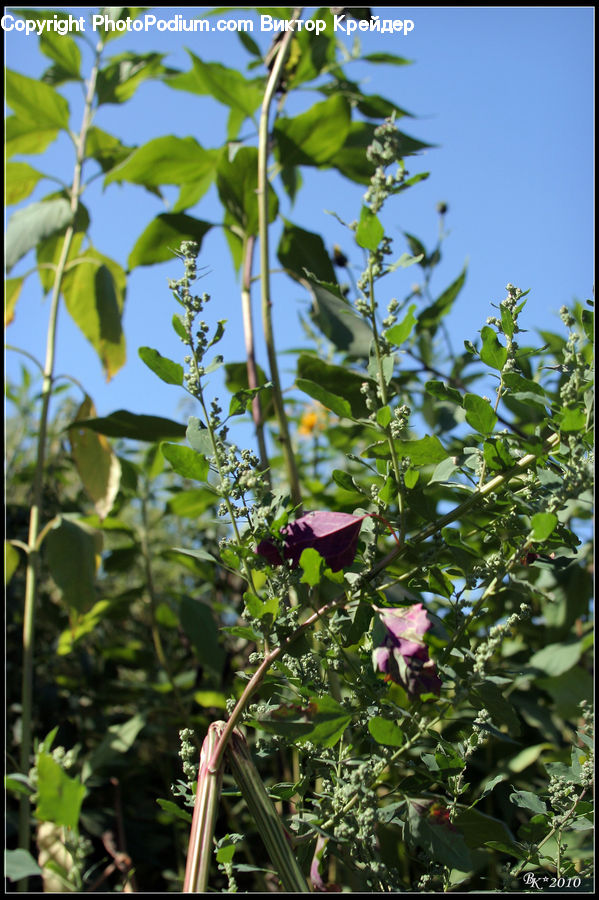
{"type": "Point", "coordinates": [311, 420]}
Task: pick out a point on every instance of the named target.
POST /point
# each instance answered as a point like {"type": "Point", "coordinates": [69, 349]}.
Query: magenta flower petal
{"type": "Point", "coordinates": [333, 534]}
{"type": "Point", "coordinates": [403, 656]}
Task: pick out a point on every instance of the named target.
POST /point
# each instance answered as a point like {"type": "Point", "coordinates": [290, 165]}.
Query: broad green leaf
{"type": "Point", "coordinates": [339, 381]}
{"type": "Point", "coordinates": [313, 138]}
{"type": "Point", "coordinates": [97, 464]}
{"type": "Point", "coordinates": [492, 352]}
{"type": "Point", "coordinates": [196, 553]}
{"type": "Point", "coordinates": [265, 610]}
{"type": "Point", "coordinates": [311, 53]}
{"type": "Point", "coordinates": [312, 565]}
{"type": "Point", "coordinates": [94, 293]}
{"type": "Point", "coordinates": [65, 53]}
{"type": "Point", "coordinates": [334, 316]}
{"type": "Point", "coordinates": [190, 504]}
{"type": "Point", "coordinates": [167, 370]}
{"type": "Point", "coordinates": [300, 251]}
{"type": "Point", "coordinates": [12, 290]}
{"type": "Point", "coordinates": [479, 413]}
{"type": "Point", "coordinates": [70, 552]}
{"type": "Point", "coordinates": [107, 150]}
{"type": "Point", "coordinates": [199, 625]}
{"type": "Point", "coordinates": [169, 807]}
{"type": "Point", "coordinates": [32, 100]}
{"type": "Point", "coordinates": [528, 800]}
{"type": "Point", "coordinates": [59, 797]}
{"type": "Point", "coordinates": [236, 380]}
{"type": "Point", "coordinates": [185, 461]}
{"type": "Point", "coordinates": [118, 739]}
{"type": "Point", "coordinates": [11, 561]}
{"type": "Point", "coordinates": [328, 719]}
{"type": "Point", "coordinates": [437, 840]}
{"type": "Point", "coordinates": [237, 183]}
{"type": "Point", "coordinates": [225, 85]}
{"type": "Point", "coordinates": [442, 391]}
{"type": "Point", "coordinates": [369, 231]}
{"type": "Point", "coordinates": [384, 731]}
{"type": "Point", "coordinates": [158, 242]}
{"type": "Point", "coordinates": [21, 179]}
{"type": "Point", "coordinates": [166, 160]}
{"type": "Point", "coordinates": [443, 470]}
{"type": "Point", "coordinates": [426, 451]}
{"type": "Point", "coordinates": [399, 333]}
{"type": "Point", "coordinates": [23, 135]}
{"type": "Point", "coordinates": [555, 659]}
{"type": "Point", "coordinates": [527, 757]}
{"type": "Point", "coordinates": [199, 437]}
{"type": "Point", "coordinates": [388, 58]}
{"type": "Point", "coordinates": [20, 864]}
{"type": "Point", "coordinates": [429, 318]}
{"type": "Point", "coordinates": [572, 419]}
{"type": "Point", "coordinates": [543, 524]}
{"type": "Point", "coordinates": [28, 226]}
{"type": "Point", "coordinates": [119, 80]}
{"type": "Point", "coordinates": [125, 424]}
{"type": "Point", "coordinates": [333, 402]}
{"type": "Point", "coordinates": [488, 696]}
{"type": "Point", "coordinates": [347, 482]}
{"type": "Point", "coordinates": [478, 828]}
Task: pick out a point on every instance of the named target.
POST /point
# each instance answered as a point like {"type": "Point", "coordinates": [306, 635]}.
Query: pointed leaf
{"type": "Point", "coordinates": [162, 237]}
{"type": "Point", "coordinates": [21, 179]}
{"type": "Point", "coordinates": [336, 404]}
{"type": "Point", "coordinates": [70, 552]}
{"type": "Point", "coordinates": [369, 231]}
{"type": "Point", "coordinates": [167, 370]}
{"type": "Point", "coordinates": [479, 413]}
{"type": "Point", "coordinates": [185, 461]}
{"type": "Point", "coordinates": [34, 101]}
{"type": "Point", "coordinates": [385, 731]}
{"type": "Point", "coordinates": [313, 138]}
{"type": "Point", "coordinates": [22, 135]}
{"type": "Point", "coordinates": [166, 160]}
{"type": "Point", "coordinates": [119, 80]}
{"type": "Point", "coordinates": [237, 183]}
{"type": "Point", "coordinates": [28, 226]}
{"type": "Point", "coordinates": [94, 293]}
{"type": "Point", "coordinates": [492, 352]}
{"type": "Point", "coordinates": [59, 797]}
{"type": "Point", "coordinates": [225, 85]}
{"type": "Point", "coordinates": [301, 250]}
{"type": "Point", "coordinates": [125, 424]}
{"type": "Point", "coordinates": [399, 333]}
{"type": "Point", "coordinates": [336, 319]}
{"type": "Point", "coordinates": [96, 462]}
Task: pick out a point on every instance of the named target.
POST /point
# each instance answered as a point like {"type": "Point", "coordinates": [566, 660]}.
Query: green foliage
{"type": "Point", "coordinates": [156, 610]}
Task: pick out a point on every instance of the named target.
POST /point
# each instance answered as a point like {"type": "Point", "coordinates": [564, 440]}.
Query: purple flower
{"type": "Point", "coordinates": [403, 655]}
{"type": "Point", "coordinates": [333, 534]}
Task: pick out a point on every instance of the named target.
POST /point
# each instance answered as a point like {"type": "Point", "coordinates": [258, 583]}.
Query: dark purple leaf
{"type": "Point", "coordinates": [333, 534]}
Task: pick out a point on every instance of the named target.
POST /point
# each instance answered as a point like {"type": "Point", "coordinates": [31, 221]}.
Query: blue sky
{"type": "Point", "coordinates": [505, 94]}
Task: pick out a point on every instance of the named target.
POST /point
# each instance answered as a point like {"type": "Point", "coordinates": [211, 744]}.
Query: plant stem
{"type": "Point", "coordinates": [205, 812]}
{"type": "Point", "coordinates": [263, 151]}
{"type": "Point", "coordinates": [248, 331]}
{"type": "Point", "coordinates": [32, 573]}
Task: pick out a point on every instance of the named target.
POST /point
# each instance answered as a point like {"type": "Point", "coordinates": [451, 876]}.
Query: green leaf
{"type": "Point", "coordinates": [21, 179]}
{"type": "Point", "coordinates": [107, 150]}
{"type": "Point", "coordinates": [555, 659]}
{"type": "Point", "coordinates": [313, 138]}
{"type": "Point", "coordinates": [312, 565]}
{"type": "Point", "coordinates": [94, 293]}
{"type": "Point", "coordinates": [158, 242]}
{"type": "Point", "coordinates": [199, 437]}
{"type": "Point", "coordinates": [399, 333]}
{"type": "Point", "coordinates": [11, 561]}
{"type": "Point", "coordinates": [169, 807]}
{"type": "Point", "coordinates": [384, 731]}
{"type": "Point", "coordinates": [478, 828]}
{"type": "Point", "coordinates": [543, 524]}
{"type": "Point", "coordinates": [301, 250]}
{"type": "Point", "coordinates": [166, 160]}
{"type": "Point", "coordinates": [186, 462]}
{"type": "Point", "coordinates": [265, 610]}
{"type": "Point", "coordinates": [369, 231]}
{"type": "Point", "coordinates": [488, 696]}
{"type": "Point", "coordinates": [97, 464]}
{"type": "Point", "coordinates": [200, 627]}
{"type": "Point", "coordinates": [335, 318]}
{"type": "Point", "coordinates": [329, 720]}
{"type": "Point", "coordinates": [28, 226]}
{"type": "Point", "coordinates": [119, 80]}
{"type": "Point", "coordinates": [22, 135]}
{"type": "Point", "coordinates": [430, 317]}
{"type": "Point", "coordinates": [479, 414]}
{"type": "Point", "coordinates": [167, 370]}
{"type": "Point", "coordinates": [65, 53]}
{"type": "Point", "coordinates": [225, 85]}
{"type": "Point", "coordinates": [70, 552]}
{"type": "Point", "coordinates": [237, 183]}
{"type": "Point", "coordinates": [190, 504]}
{"type": "Point", "coordinates": [20, 864]}
{"type": "Point", "coordinates": [337, 404]}
{"type": "Point", "coordinates": [572, 419]}
{"type": "Point", "coordinates": [492, 353]}
{"type": "Point", "coordinates": [336, 381]}
{"type": "Point", "coordinates": [34, 101]}
{"type": "Point", "coordinates": [119, 738]}
{"type": "Point", "coordinates": [528, 800]}
{"type": "Point", "coordinates": [125, 424]}
{"type": "Point", "coordinates": [440, 843]}
{"type": "Point", "coordinates": [59, 797]}
{"type": "Point", "coordinates": [388, 58]}
{"type": "Point", "coordinates": [426, 451]}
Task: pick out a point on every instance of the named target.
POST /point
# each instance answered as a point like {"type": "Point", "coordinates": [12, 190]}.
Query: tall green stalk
{"type": "Point", "coordinates": [263, 148]}
{"type": "Point", "coordinates": [35, 516]}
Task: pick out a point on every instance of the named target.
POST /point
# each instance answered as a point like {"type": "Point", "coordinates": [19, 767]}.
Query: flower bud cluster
{"type": "Point", "coordinates": [497, 633]}
{"type": "Point", "coordinates": [384, 150]}
{"type": "Point", "coordinates": [189, 754]}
